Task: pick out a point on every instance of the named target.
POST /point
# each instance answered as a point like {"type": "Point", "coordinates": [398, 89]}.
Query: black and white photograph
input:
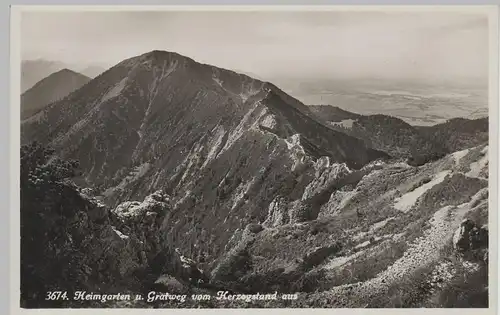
{"type": "Point", "coordinates": [229, 159]}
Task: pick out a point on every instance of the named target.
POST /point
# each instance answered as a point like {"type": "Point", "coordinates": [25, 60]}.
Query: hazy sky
{"type": "Point", "coordinates": [272, 44]}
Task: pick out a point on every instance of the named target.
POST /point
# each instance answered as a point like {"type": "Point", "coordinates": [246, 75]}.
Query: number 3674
{"type": "Point", "coordinates": [56, 295]}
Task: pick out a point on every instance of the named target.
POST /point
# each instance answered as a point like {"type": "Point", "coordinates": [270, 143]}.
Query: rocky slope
{"type": "Point", "coordinates": [387, 235]}
{"type": "Point", "coordinates": [72, 242]}
{"type": "Point", "coordinates": [399, 237]}
{"type": "Point", "coordinates": [50, 89]}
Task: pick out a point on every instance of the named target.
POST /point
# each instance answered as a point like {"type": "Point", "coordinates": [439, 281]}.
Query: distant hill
{"type": "Point", "coordinates": [32, 71]}
{"type": "Point", "coordinates": [50, 89]}
{"type": "Point", "coordinates": [419, 144]}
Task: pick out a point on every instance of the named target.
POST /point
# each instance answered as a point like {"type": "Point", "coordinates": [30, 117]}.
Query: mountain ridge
{"type": "Point", "coordinates": [205, 72]}
{"type": "Point", "coordinates": [390, 134]}
{"type": "Point", "coordinates": [160, 121]}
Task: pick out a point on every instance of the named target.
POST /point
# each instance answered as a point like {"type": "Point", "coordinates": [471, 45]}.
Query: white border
{"type": "Point", "coordinates": [485, 9]}
{"type": "Point", "coordinates": [15, 59]}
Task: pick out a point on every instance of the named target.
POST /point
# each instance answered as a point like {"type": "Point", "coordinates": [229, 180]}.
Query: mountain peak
{"type": "Point", "coordinates": [66, 71]}
{"type": "Point", "coordinates": [156, 53]}
{"type": "Point", "coordinates": [64, 74]}
{"type": "Point", "coordinates": [159, 56]}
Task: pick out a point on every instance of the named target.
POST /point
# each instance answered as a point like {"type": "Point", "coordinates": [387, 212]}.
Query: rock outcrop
{"type": "Point", "coordinates": [72, 241]}
{"type": "Point", "coordinates": [471, 240]}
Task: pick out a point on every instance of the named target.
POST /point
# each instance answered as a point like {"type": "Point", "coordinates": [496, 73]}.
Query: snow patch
{"type": "Point", "coordinates": [478, 166]}
{"type": "Point", "coordinates": [346, 123]}
{"type": "Point", "coordinates": [115, 90]}
{"type": "Point", "coordinates": [214, 144]}
{"type": "Point", "coordinates": [457, 156]}
{"type": "Point", "coordinates": [406, 202]}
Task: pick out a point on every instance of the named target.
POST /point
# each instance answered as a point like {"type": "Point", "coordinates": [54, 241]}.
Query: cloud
{"type": "Point", "coordinates": [271, 44]}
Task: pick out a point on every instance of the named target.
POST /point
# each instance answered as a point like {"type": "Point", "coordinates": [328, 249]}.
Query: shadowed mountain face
{"type": "Point", "coordinates": [459, 133]}
{"type": "Point", "coordinates": [50, 89]}
{"type": "Point", "coordinates": [222, 144]}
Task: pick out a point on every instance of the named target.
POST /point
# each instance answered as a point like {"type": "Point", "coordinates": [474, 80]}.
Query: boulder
{"type": "Point", "coordinates": [469, 236]}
